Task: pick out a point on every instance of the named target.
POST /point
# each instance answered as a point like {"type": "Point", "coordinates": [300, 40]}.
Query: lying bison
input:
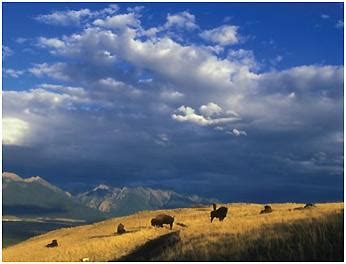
{"type": "Point", "coordinates": [121, 229]}
{"type": "Point", "coordinates": [219, 213]}
{"type": "Point", "coordinates": [267, 209]}
{"type": "Point", "coordinates": [162, 219]}
{"type": "Point", "coordinates": [306, 206]}
{"type": "Point", "coordinates": [54, 243]}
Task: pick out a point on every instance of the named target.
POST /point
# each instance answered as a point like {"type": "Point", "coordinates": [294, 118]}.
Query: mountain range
{"type": "Point", "coordinates": [124, 201]}
{"type": "Point", "coordinates": [35, 197]}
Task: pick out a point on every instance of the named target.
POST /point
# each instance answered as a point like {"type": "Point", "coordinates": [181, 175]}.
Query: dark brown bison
{"type": "Point", "coordinates": [219, 213]}
{"type": "Point", "coordinates": [121, 229]}
{"type": "Point", "coordinates": [54, 243]}
{"type": "Point", "coordinates": [162, 219]}
{"type": "Point", "coordinates": [267, 209]}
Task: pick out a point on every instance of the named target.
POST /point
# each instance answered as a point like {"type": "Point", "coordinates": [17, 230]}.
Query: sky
{"type": "Point", "coordinates": [235, 101]}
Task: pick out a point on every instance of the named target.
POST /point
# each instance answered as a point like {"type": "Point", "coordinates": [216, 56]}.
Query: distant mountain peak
{"type": "Point", "coordinates": [34, 179]}
{"type": "Point", "coordinates": [38, 179]}
{"type": "Point", "coordinates": [102, 187]}
{"type": "Point", "coordinates": [11, 176]}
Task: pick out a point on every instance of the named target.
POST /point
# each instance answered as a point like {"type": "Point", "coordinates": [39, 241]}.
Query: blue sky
{"type": "Point", "coordinates": [238, 101]}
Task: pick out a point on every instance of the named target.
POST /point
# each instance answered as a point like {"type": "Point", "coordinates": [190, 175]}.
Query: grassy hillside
{"type": "Point", "coordinates": [311, 234]}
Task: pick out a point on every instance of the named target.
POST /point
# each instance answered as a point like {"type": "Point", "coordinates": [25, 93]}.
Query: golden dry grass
{"type": "Point", "coordinates": [98, 242]}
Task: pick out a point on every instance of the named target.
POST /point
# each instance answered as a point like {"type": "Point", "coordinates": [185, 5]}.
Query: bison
{"type": "Point", "coordinates": [54, 243]}
{"type": "Point", "coordinates": [306, 206]}
{"type": "Point", "coordinates": [219, 213]}
{"type": "Point", "coordinates": [267, 209]}
{"type": "Point", "coordinates": [162, 219]}
{"type": "Point", "coordinates": [121, 229]}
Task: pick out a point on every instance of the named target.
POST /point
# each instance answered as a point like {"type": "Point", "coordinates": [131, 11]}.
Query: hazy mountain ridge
{"type": "Point", "coordinates": [7, 176]}
{"type": "Point", "coordinates": [35, 196]}
{"type": "Point", "coordinates": [126, 200]}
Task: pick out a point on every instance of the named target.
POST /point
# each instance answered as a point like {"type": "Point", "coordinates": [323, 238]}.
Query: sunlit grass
{"type": "Point", "coordinates": [311, 239]}
{"type": "Point", "coordinates": [199, 240]}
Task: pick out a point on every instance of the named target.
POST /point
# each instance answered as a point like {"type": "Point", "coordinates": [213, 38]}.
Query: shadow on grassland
{"type": "Point", "coordinates": [153, 247]}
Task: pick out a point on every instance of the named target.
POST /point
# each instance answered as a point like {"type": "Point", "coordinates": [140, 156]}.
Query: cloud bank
{"type": "Point", "coordinates": [141, 102]}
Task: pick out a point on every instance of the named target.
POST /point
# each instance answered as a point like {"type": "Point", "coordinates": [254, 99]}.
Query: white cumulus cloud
{"type": "Point", "coordinates": [118, 21]}
{"type": "Point", "coordinates": [64, 18]}
{"type": "Point", "coordinates": [75, 17]}
{"type": "Point", "coordinates": [188, 114]}
{"type": "Point", "coordinates": [237, 133]}
{"type": "Point", "coordinates": [56, 71]}
{"type": "Point", "coordinates": [223, 35]}
{"type": "Point", "coordinates": [14, 73]}
{"type": "Point", "coordinates": [210, 109]}
{"type": "Point", "coordinates": [181, 20]}
{"type": "Point", "coordinates": [50, 43]}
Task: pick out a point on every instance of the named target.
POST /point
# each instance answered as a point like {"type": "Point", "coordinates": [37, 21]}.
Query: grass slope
{"type": "Point", "coordinates": [311, 234]}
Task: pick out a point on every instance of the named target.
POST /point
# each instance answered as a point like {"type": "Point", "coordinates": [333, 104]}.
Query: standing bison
{"type": "Point", "coordinates": [219, 213]}
{"type": "Point", "coordinates": [162, 219]}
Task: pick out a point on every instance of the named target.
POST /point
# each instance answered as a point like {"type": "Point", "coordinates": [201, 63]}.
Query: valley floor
{"type": "Point", "coordinates": [245, 235]}
{"type": "Point", "coordinates": [18, 229]}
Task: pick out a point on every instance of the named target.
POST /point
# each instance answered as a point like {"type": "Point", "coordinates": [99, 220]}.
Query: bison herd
{"type": "Point", "coordinates": [164, 219]}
